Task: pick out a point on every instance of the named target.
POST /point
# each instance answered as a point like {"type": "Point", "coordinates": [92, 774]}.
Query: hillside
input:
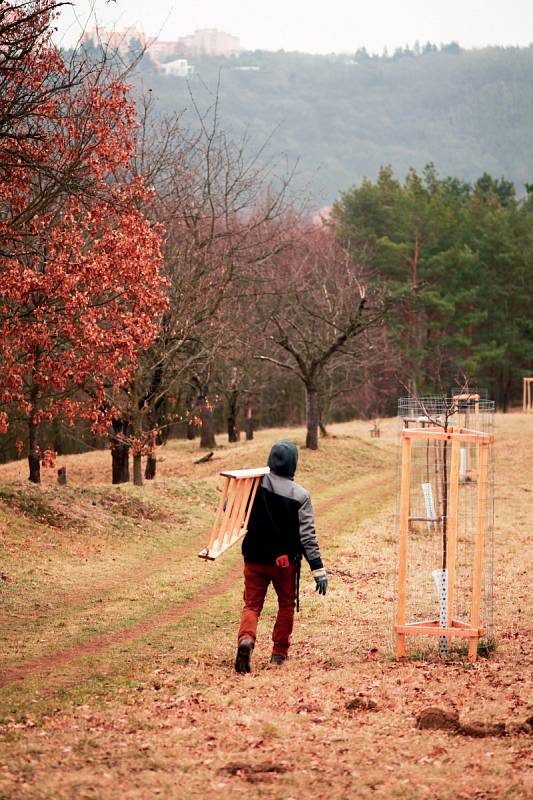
{"type": "Point", "coordinates": [118, 642]}
{"type": "Point", "coordinates": [341, 118]}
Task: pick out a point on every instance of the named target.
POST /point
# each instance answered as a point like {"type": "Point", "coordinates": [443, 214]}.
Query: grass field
{"type": "Point", "coordinates": [117, 642]}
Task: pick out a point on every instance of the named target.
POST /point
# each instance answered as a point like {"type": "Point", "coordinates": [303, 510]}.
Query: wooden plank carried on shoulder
{"type": "Point", "coordinates": [233, 513]}
{"type": "Point", "coordinates": [246, 473]}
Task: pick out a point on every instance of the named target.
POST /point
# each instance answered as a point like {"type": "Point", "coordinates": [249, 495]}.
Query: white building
{"type": "Point", "coordinates": [179, 68]}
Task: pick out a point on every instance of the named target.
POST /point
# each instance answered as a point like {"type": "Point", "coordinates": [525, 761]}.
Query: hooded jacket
{"type": "Point", "coordinates": [281, 520]}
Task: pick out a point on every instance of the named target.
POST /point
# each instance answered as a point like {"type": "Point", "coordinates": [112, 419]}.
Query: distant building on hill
{"type": "Point", "coordinates": [208, 42]}
{"type": "Point", "coordinates": [162, 51]}
{"type": "Point", "coordinates": [116, 40]}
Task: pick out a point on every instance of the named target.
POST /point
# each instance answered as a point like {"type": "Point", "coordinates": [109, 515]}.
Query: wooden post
{"type": "Point", "coordinates": [451, 528]}
{"type": "Point", "coordinates": [526, 395]}
{"type": "Point", "coordinates": [404, 541]}
{"type": "Point", "coordinates": [479, 545]}
{"type": "Point", "coordinates": [476, 427]}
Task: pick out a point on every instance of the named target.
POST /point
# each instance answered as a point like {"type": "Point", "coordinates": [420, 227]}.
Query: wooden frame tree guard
{"type": "Point", "coordinates": [437, 441]}
{"type": "Point", "coordinates": [233, 513]}
{"type": "Point", "coordinates": [526, 395]}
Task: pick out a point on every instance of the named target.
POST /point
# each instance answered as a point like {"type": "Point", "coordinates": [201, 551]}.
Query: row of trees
{"type": "Point", "coordinates": [410, 286]}
{"type": "Point", "coordinates": [458, 257]}
{"type": "Point", "coordinates": [144, 263]}
{"type": "Point", "coordinates": [251, 282]}
{"type": "Point", "coordinates": [154, 273]}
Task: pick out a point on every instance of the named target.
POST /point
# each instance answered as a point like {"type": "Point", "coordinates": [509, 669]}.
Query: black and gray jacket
{"type": "Point", "coordinates": [282, 522]}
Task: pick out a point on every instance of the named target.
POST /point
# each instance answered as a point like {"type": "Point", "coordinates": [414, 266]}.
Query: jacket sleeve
{"type": "Point", "coordinates": [308, 537]}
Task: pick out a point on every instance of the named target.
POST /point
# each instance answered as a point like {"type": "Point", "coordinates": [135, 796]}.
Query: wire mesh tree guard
{"type": "Point", "coordinates": [445, 521]}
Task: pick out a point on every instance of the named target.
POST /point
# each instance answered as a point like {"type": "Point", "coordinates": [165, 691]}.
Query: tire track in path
{"type": "Point", "coordinates": [172, 614]}
{"type": "Point", "coordinates": [101, 643]}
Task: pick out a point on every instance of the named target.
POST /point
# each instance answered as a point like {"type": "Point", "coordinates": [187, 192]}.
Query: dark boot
{"type": "Point", "coordinates": [277, 659]}
{"type": "Point", "coordinates": [244, 655]}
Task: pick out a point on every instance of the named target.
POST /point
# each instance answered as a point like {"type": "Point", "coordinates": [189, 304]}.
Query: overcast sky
{"type": "Point", "coordinates": [319, 27]}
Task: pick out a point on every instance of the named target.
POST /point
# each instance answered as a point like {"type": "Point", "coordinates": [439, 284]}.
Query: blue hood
{"type": "Point", "coordinates": [283, 458]}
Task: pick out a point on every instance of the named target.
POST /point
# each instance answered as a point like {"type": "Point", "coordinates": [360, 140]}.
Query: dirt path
{"type": "Point", "coordinates": [150, 567]}
{"type": "Point", "coordinates": [172, 614]}
{"type": "Point", "coordinates": [339, 499]}
{"type": "Point", "coordinates": [101, 643]}
{"type": "Point", "coordinates": [96, 589]}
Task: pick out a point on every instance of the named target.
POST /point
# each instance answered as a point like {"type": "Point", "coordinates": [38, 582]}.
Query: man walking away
{"type": "Point", "coordinates": [281, 529]}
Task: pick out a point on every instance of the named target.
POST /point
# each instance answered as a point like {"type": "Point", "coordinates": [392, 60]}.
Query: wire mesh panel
{"type": "Point", "coordinates": [466, 409]}
{"type": "Point", "coordinates": [445, 520]}
{"type": "Point", "coordinates": [231, 521]}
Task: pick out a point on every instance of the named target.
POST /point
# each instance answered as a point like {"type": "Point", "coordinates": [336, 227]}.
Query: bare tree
{"type": "Point", "coordinates": [224, 209]}
{"type": "Point", "coordinates": [315, 301]}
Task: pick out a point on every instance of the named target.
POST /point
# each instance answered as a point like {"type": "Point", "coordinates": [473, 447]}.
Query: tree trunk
{"type": "Point", "coordinates": [366, 387]}
{"type": "Point", "coordinates": [506, 394]}
{"type": "Point", "coordinates": [120, 451]}
{"type": "Point", "coordinates": [58, 438]}
{"type": "Point", "coordinates": [138, 404]}
{"type": "Point", "coordinates": [311, 441]}
{"type": "Point", "coordinates": [151, 460]}
{"type": "Point", "coordinates": [249, 422]}
{"type": "Point", "coordinates": [207, 435]}
{"type": "Point", "coordinates": [153, 405]}
{"type": "Point", "coordinates": [137, 470]}
{"type": "Point", "coordinates": [233, 433]}
{"type": "Point", "coordinates": [207, 430]}
{"type": "Point", "coordinates": [151, 467]}
{"type": "Point", "coordinates": [321, 415]}
{"type": "Point", "coordinates": [34, 462]}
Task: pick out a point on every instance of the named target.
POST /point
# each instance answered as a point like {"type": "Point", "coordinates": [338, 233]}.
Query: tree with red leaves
{"type": "Point", "coordinates": [80, 289]}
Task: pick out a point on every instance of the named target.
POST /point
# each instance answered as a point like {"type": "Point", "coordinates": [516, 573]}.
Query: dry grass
{"type": "Point", "coordinates": [124, 642]}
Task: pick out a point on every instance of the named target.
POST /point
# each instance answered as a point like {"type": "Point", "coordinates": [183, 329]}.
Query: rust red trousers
{"type": "Point", "coordinates": [257, 579]}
